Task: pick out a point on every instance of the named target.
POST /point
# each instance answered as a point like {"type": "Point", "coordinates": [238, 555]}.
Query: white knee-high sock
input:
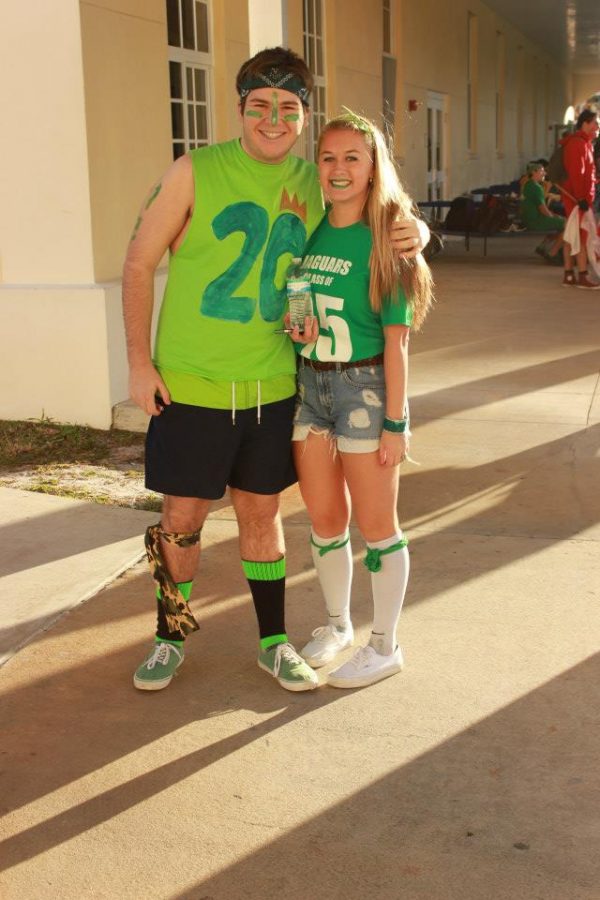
{"type": "Point", "coordinates": [389, 578]}
{"type": "Point", "coordinates": [333, 561]}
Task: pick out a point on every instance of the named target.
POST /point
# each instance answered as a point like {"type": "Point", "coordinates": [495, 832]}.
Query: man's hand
{"type": "Point", "coordinates": [145, 387]}
{"type": "Point", "coordinates": [409, 236]}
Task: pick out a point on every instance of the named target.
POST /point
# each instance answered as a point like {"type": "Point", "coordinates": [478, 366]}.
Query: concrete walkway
{"type": "Point", "coordinates": [471, 775]}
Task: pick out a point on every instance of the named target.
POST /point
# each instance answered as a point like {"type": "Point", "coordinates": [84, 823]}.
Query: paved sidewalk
{"type": "Point", "coordinates": [473, 774]}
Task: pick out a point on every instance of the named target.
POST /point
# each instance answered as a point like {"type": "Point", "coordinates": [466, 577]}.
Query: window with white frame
{"type": "Point", "coordinates": [190, 69]}
{"type": "Point", "coordinates": [388, 70]}
{"type": "Point", "coordinates": [520, 97]}
{"type": "Point", "coordinates": [472, 81]}
{"type": "Point", "coordinates": [500, 90]}
{"type": "Point", "coordinates": [314, 56]}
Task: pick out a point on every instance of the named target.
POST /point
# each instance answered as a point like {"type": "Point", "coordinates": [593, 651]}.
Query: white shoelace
{"type": "Point", "coordinates": [324, 633]}
{"type": "Point", "coordinates": [362, 657]}
{"type": "Point", "coordinates": [284, 651]}
{"type": "Point", "coordinates": [161, 655]}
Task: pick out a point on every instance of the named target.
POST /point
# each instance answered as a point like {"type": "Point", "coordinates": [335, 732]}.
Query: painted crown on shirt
{"type": "Point", "coordinates": [293, 204]}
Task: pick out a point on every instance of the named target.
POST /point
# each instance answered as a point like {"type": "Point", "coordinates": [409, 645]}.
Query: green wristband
{"type": "Point", "coordinates": [397, 426]}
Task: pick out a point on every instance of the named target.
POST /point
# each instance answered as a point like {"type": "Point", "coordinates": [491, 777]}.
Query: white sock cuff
{"type": "Point", "coordinates": [325, 542]}
{"type": "Point", "coordinates": [387, 542]}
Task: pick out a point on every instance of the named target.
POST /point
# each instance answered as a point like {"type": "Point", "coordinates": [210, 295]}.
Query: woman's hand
{"type": "Point", "coordinates": [310, 333]}
{"type": "Point", "coordinates": [393, 448]}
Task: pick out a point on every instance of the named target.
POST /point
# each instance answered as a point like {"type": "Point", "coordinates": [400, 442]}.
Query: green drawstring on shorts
{"type": "Point", "coordinates": [325, 548]}
{"type": "Point", "coordinates": [373, 558]}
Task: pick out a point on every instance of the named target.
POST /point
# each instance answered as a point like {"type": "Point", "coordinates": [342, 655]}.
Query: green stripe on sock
{"type": "Point", "coordinates": [264, 571]}
{"type": "Point", "coordinates": [267, 642]}
{"type": "Point", "coordinates": [184, 586]}
{"type": "Point", "coordinates": [160, 640]}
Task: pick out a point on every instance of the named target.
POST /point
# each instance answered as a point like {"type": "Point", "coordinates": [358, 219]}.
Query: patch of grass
{"type": "Point", "coordinates": [42, 441]}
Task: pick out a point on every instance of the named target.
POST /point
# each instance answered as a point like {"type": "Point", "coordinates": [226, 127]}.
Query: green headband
{"type": "Point", "coordinates": [356, 121]}
{"type": "Point", "coordinates": [275, 78]}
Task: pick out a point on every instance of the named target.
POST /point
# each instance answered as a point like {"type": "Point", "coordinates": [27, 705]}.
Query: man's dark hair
{"type": "Point", "coordinates": [588, 115]}
{"type": "Point", "coordinates": [274, 58]}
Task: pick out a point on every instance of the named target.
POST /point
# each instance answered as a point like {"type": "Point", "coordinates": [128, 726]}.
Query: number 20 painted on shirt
{"type": "Point", "coordinates": [288, 235]}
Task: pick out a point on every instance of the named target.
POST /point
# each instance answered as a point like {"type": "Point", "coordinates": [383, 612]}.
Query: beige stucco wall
{"type": "Point", "coordinates": [231, 43]}
{"type": "Point", "coordinates": [358, 49]}
{"type": "Point", "coordinates": [45, 214]}
{"type": "Point", "coordinates": [124, 48]}
{"type": "Point", "coordinates": [434, 53]}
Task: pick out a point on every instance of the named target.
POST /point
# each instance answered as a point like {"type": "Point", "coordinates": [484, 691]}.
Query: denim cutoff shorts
{"type": "Point", "coordinates": [347, 405]}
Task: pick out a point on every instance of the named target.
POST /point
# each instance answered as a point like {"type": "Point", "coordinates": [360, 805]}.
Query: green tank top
{"type": "Point", "coordinates": [337, 265]}
{"type": "Point", "coordinates": [225, 293]}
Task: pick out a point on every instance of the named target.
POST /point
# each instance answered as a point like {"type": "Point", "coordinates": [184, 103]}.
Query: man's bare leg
{"type": "Point", "coordinates": [182, 517]}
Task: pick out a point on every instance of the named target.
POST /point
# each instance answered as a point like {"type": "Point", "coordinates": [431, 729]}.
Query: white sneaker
{"type": "Point", "coordinates": [366, 667]}
{"type": "Point", "coordinates": [327, 642]}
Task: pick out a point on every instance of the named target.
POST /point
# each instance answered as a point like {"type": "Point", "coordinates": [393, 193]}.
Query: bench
{"type": "Point", "coordinates": [437, 206]}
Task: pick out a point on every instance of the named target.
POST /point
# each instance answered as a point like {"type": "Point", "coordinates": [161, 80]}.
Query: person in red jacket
{"type": "Point", "coordinates": [579, 186]}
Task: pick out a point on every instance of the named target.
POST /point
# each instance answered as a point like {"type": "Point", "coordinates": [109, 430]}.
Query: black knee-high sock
{"type": "Point", "coordinates": [267, 585]}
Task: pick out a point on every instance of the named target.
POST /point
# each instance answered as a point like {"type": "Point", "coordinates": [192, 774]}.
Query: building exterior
{"type": "Point", "coordinates": [98, 97]}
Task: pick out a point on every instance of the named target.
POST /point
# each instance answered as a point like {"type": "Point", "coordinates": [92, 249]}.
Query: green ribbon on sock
{"type": "Point", "coordinates": [373, 558]}
{"type": "Point", "coordinates": [325, 548]}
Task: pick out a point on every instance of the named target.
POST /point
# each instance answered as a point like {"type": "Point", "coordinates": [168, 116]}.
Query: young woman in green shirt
{"type": "Point", "coordinates": [351, 429]}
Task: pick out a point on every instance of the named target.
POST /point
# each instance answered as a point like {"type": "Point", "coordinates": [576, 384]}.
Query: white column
{"type": "Point", "coordinates": [267, 24]}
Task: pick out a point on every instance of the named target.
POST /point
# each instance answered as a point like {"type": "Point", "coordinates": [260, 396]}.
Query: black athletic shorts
{"type": "Point", "coordinates": [194, 451]}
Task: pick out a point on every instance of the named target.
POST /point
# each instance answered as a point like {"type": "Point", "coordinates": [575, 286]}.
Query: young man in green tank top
{"type": "Point", "coordinates": [220, 386]}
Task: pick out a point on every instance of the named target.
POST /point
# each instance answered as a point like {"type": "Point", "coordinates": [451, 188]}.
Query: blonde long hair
{"type": "Point", "coordinates": [387, 200]}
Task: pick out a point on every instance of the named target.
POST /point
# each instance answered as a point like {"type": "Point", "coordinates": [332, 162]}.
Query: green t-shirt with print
{"type": "Point", "coordinates": [336, 263]}
{"type": "Point", "coordinates": [225, 295]}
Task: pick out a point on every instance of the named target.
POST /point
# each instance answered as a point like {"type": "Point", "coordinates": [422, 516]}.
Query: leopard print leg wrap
{"type": "Point", "coordinates": [177, 611]}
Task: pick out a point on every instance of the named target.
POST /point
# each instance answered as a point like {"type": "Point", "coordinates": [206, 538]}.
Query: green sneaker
{"type": "Point", "coordinates": [288, 668]}
{"type": "Point", "coordinates": [157, 670]}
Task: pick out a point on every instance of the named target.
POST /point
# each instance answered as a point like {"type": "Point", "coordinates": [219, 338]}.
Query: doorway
{"type": "Point", "coordinates": [436, 146]}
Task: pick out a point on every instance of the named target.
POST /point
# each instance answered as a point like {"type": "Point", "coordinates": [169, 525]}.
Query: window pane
{"type": "Point", "coordinates": [429, 128]}
{"type": "Point", "coordinates": [319, 70]}
{"type": "Point", "coordinates": [319, 23]}
{"type": "Point", "coordinates": [178, 150]}
{"type": "Point", "coordinates": [173, 23]}
{"type": "Point", "coordinates": [202, 129]}
{"type": "Point", "coordinates": [175, 78]}
{"type": "Point", "coordinates": [202, 27]}
{"type": "Point", "coordinates": [311, 16]}
{"type": "Point", "coordinates": [387, 47]}
{"type": "Point", "coordinates": [188, 24]}
{"type": "Point", "coordinates": [177, 120]}
{"type": "Point", "coordinates": [191, 124]}
{"type": "Point", "coordinates": [189, 83]}
{"type": "Point", "coordinates": [200, 79]}
{"type": "Point", "coordinates": [311, 55]}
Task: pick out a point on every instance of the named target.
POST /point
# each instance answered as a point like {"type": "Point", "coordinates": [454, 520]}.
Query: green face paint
{"type": "Point", "coordinates": [292, 117]}
{"type": "Point", "coordinates": [274, 108]}
{"type": "Point", "coordinates": [253, 114]}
